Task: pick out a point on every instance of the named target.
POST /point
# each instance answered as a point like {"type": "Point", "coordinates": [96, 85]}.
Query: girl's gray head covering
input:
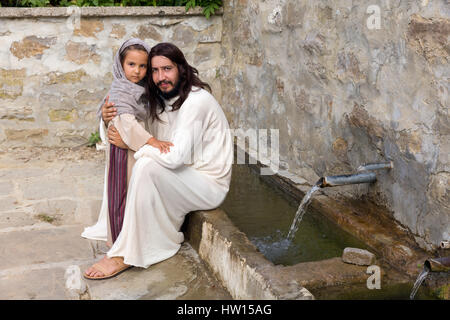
{"type": "Point", "coordinates": [126, 95]}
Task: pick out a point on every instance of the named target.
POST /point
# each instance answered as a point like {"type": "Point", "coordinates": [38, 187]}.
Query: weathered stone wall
{"type": "Point", "coordinates": [344, 91]}
{"type": "Point", "coordinates": [56, 68]}
{"type": "Point", "coordinates": [340, 93]}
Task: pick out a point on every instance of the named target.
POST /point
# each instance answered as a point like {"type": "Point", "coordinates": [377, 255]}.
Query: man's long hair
{"type": "Point", "coordinates": [188, 77]}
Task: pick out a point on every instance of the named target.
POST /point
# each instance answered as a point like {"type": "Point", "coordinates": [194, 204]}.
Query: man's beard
{"type": "Point", "coordinates": [172, 93]}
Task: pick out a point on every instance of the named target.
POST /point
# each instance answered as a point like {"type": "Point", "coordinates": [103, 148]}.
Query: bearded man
{"type": "Point", "coordinates": [165, 185]}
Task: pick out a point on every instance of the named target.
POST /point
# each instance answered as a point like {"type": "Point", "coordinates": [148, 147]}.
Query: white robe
{"type": "Point", "coordinates": [194, 175]}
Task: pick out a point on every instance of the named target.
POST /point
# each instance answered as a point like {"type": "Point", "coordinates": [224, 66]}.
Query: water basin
{"type": "Point", "coordinates": [265, 215]}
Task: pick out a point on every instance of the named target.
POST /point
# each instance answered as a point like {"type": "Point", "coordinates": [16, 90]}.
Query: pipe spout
{"type": "Point", "coordinates": [376, 166]}
{"type": "Point", "coordinates": [333, 181]}
{"type": "Point", "coordinates": [445, 244]}
{"type": "Point", "coordinates": [438, 264]}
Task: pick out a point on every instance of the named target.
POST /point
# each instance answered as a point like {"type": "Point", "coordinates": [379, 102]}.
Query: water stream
{"type": "Point", "coordinates": [301, 211]}
{"type": "Point", "coordinates": [265, 213]}
{"type": "Point", "coordinates": [419, 281]}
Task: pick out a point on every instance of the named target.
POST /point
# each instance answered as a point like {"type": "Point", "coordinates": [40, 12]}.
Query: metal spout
{"type": "Point", "coordinates": [445, 244]}
{"type": "Point", "coordinates": [333, 181]}
{"type": "Point", "coordinates": [376, 166]}
{"type": "Point", "coordinates": [438, 264]}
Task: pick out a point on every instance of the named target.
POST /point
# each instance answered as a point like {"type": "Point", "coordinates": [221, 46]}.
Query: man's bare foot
{"type": "Point", "coordinates": [106, 268]}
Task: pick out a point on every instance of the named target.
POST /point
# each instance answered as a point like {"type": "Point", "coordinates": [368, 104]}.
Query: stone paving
{"type": "Point", "coordinates": [47, 197]}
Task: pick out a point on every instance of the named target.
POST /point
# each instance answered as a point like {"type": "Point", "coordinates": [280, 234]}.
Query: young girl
{"type": "Point", "coordinates": [128, 92]}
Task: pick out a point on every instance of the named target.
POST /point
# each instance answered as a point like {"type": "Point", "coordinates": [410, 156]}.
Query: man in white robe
{"type": "Point", "coordinates": [193, 175]}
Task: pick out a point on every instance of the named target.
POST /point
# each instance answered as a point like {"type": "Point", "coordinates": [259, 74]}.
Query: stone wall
{"type": "Point", "coordinates": [345, 82]}
{"type": "Point", "coordinates": [56, 64]}
{"type": "Point", "coordinates": [348, 82]}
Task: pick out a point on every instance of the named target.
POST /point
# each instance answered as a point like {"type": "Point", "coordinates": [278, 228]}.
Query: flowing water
{"type": "Point", "coordinates": [265, 213]}
{"type": "Point", "coordinates": [419, 281]}
{"type": "Point", "coordinates": [301, 211]}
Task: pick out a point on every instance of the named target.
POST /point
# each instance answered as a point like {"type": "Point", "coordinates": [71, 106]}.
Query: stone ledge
{"type": "Point", "coordinates": [236, 262]}
{"type": "Point", "coordinates": [101, 12]}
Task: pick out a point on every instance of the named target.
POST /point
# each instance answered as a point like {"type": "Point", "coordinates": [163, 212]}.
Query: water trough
{"type": "Point", "coordinates": [248, 274]}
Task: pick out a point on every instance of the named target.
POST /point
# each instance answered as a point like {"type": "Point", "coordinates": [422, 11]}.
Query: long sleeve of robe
{"type": "Point", "coordinates": [194, 175]}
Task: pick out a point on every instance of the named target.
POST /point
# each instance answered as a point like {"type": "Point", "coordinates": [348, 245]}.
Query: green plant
{"type": "Point", "coordinates": [93, 139]}
{"type": "Point", "coordinates": [209, 6]}
{"type": "Point", "coordinates": [46, 218]}
{"type": "Point", "coordinates": [34, 3]}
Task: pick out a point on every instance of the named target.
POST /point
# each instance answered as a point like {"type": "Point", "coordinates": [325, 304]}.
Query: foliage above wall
{"type": "Point", "coordinates": [209, 6]}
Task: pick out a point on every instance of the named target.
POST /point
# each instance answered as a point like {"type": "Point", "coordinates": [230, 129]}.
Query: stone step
{"type": "Point", "coordinates": [45, 281]}
{"type": "Point", "coordinates": [43, 261]}
{"type": "Point", "coordinates": [15, 219]}
{"type": "Point", "coordinates": [182, 277]}
{"type": "Point", "coordinates": [50, 244]}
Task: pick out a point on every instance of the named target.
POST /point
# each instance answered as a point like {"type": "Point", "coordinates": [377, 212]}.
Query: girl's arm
{"type": "Point", "coordinates": [131, 132]}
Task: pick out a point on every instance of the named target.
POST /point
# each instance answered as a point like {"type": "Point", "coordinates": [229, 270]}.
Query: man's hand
{"type": "Point", "coordinates": [163, 146]}
{"type": "Point", "coordinates": [108, 111]}
{"type": "Point", "coordinates": [115, 139]}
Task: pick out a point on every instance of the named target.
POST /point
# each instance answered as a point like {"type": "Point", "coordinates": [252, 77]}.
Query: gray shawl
{"type": "Point", "coordinates": [126, 95]}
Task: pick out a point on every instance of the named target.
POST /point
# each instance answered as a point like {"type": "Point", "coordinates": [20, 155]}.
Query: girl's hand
{"type": "Point", "coordinates": [163, 146]}
{"type": "Point", "coordinates": [115, 139]}
{"type": "Point", "coordinates": [108, 111]}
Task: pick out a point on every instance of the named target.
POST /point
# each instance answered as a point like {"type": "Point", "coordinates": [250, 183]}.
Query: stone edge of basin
{"type": "Point", "coordinates": [242, 269]}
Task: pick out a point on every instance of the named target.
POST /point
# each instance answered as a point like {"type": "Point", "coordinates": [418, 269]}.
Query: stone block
{"type": "Point", "coordinates": [81, 53]}
{"type": "Point", "coordinates": [24, 134]}
{"type": "Point", "coordinates": [183, 36]}
{"type": "Point", "coordinates": [43, 245]}
{"type": "Point", "coordinates": [56, 100]}
{"type": "Point", "coordinates": [211, 34]}
{"type": "Point", "coordinates": [358, 256]}
{"type": "Point", "coordinates": [148, 32]}
{"type": "Point", "coordinates": [87, 98]}
{"type": "Point", "coordinates": [67, 77]}
{"type": "Point", "coordinates": [11, 83]}
{"type": "Point", "coordinates": [14, 219]}
{"type": "Point", "coordinates": [34, 284]}
{"type": "Point", "coordinates": [63, 115]}
{"type": "Point", "coordinates": [88, 169]}
{"type": "Point", "coordinates": [206, 54]}
{"type": "Point", "coordinates": [31, 46]}
{"type": "Point", "coordinates": [22, 113]}
{"type": "Point", "coordinates": [51, 187]}
{"type": "Point", "coordinates": [429, 38]}
{"type": "Point", "coordinates": [118, 31]}
{"type": "Point", "coordinates": [71, 138]}
{"type": "Point", "coordinates": [26, 172]}
{"type": "Point", "coordinates": [89, 28]}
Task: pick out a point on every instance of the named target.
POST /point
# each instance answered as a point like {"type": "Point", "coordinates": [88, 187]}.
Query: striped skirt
{"type": "Point", "coordinates": [117, 188]}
